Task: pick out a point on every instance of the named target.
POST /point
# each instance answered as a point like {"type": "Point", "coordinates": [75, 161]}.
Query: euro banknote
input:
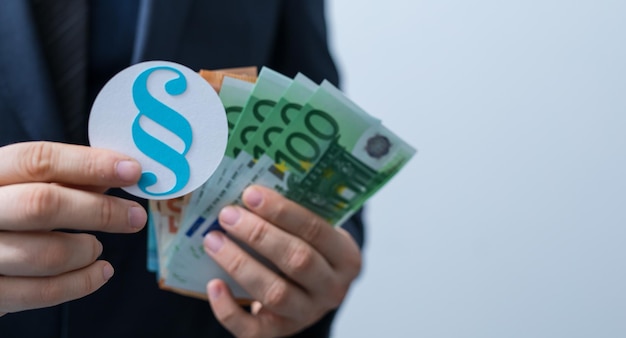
{"type": "Point", "coordinates": [307, 141]}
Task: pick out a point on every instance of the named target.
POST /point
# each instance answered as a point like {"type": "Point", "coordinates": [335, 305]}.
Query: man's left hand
{"type": "Point", "coordinates": [317, 264]}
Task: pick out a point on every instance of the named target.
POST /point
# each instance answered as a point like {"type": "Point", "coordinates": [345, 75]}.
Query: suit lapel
{"type": "Point", "coordinates": [160, 29]}
{"type": "Point", "coordinates": [25, 84]}
{"type": "Point", "coordinates": [24, 81]}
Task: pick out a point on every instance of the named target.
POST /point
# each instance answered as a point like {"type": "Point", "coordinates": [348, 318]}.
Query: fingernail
{"type": "Point", "coordinates": [252, 197]}
{"type": "Point", "coordinates": [214, 290]}
{"type": "Point", "coordinates": [214, 241]}
{"type": "Point", "coordinates": [128, 170]}
{"type": "Point", "coordinates": [107, 272]}
{"type": "Point", "coordinates": [137, 217]}
{"type": "Point", "coordinates": [100, 248]}
{"type": "Point", "coordinates": [229, 215]}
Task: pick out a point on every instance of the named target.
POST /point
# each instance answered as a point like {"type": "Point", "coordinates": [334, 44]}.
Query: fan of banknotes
{"type": "Point", "coordinates": [307, 141]}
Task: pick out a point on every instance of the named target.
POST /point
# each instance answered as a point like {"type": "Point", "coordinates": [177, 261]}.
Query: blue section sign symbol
{"type": "Point", "coordinates": [168, 118]}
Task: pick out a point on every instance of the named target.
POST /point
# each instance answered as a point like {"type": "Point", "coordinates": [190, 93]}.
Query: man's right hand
{"type": "Point", "coordinates": [46, 186]}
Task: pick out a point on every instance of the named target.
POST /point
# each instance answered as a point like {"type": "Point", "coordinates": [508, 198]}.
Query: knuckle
{"type": "Point", "coordinates": [258, 233]}
{"type": "Point", "coordinates": [276, 295]}
{"type": "Point", "coordinates": [38, 162]}
{"type": "Point", "coordinates": [90, 167]}
{"type": "Point", "coordinates": [280, 210]}
{"type": "Point", "coordinates": [40, 204]}
{"type": "Point", "coordinates": [52, 259]}
{"type": "Point", "coordinates": [55, 290]}
{"type": "Point", "coordinates": [300, 258]}
{"type": "Point", "coordinates": [105, 212]}
{"type": "Point", "coordinates": [236, 265]}
{"type": "Point", "coordinates": [312, 231]}
{"type": "Point", "coordinates": [87, 284]}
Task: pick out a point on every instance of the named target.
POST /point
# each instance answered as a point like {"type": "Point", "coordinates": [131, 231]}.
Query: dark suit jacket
{"type": "Point", "coordinates": [288, 36]}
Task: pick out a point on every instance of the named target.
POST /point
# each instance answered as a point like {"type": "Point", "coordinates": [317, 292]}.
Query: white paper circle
{"type": "Point", "coordinates": [136, 124]}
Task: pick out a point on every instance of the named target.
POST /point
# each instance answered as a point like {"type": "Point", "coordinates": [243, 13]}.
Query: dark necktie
{"type": "Point", "coordinates": [63, 30]}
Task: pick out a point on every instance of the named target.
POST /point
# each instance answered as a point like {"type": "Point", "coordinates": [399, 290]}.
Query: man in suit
{"type": "Point", "coordinates": [46, 186]}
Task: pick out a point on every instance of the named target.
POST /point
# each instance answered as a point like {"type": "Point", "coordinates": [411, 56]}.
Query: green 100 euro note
{"type": "Point", "coordinates": [333, 156]}
{"type": "Point", "coordinates": [329, 156]}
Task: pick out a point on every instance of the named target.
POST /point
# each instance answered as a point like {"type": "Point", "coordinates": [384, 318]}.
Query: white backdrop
{"type": "Point", "coordinates": [511, 219]}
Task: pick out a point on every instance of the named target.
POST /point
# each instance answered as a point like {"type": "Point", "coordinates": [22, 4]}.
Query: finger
{"type": "Point", "coordinates": [301, 222]}
{"type": "Point", "coordinates": [46, 253]}
{"type": "Point", "coordinates": [236, 320]}
{"type": "Point", "coordinates": [226, 310]}
{"type": "Point", "coordinates": [91, 188]}
{"type": "Point", "coordinates": [41, 206]}
{"type": "Point", "coordinates": [264, 285]}
{"type": "Point", "coordinates": [255, 307]}
{"type": "Point", "coordinates": [296, 258]}
{"type": "Point", "coordinates": [24, 293]}
{"type": "Point", "coordinates": [65, 163]}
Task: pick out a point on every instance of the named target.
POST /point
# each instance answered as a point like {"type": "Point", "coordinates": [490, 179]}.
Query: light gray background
{"type": "Point", "coordinates": [511, 219]}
